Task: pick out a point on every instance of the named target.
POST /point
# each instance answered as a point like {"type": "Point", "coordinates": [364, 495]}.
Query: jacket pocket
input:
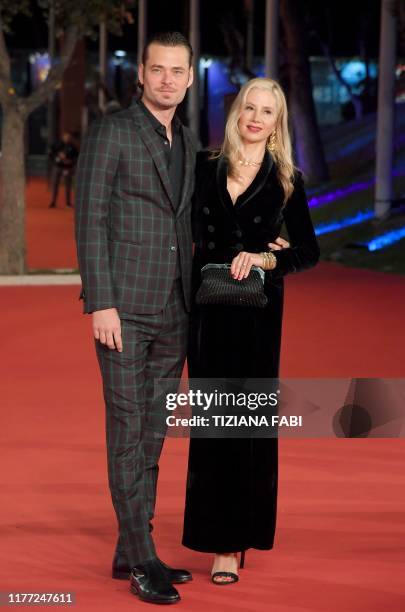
{"type": "Point", "coordinates": [125, 250]}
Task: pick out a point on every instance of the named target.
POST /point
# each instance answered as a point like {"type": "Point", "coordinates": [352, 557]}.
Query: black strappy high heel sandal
{"type": "Point", "coordinates": [242, 559]}
{"type": "Point", "coordinates": [233, 577]}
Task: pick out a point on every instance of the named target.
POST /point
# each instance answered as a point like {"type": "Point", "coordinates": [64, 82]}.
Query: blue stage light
{"type": "Point", "coordinates": [334, 226]}
{"type": "Point", "coordinates": [385, 240]}
{"type": "Point", "coordinates": [339, 194]}
{"type": "Point", "coordinates": [342, 192]}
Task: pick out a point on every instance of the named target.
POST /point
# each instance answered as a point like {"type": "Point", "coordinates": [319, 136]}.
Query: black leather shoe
{"type": "Point", "coordinates": [121, 570]}
{"type": "Point", "coordinates": [176, 576]}
{"type": "Point", "coordinates": [149, 582]}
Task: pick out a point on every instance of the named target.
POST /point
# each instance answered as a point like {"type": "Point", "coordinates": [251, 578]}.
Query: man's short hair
{"type": "Point", "coordinates": [168, 39]}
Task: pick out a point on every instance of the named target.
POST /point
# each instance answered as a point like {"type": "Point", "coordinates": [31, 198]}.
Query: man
{"type": "Point", "coordinates": [63, 156]}
{"type": "Point", "coordinates": [133, 231]}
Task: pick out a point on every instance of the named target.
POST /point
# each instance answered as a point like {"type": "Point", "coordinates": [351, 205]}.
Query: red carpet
{"type": "Point", "coordinates": [339, 542]}
{"type": "Point", "coordinates": [50, 242]}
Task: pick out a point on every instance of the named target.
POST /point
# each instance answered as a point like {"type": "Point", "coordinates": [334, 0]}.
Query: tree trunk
{"type": "Point", "coordinates": [308, 144]}
{"type": "Point", "coordinates": [12, 164]}
{"type": "Point", "coordinates": [72, 94]}
{"type": "Point", "coordinates": [12, 185]}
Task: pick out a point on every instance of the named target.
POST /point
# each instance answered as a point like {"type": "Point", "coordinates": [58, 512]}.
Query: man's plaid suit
{"type": "Point", "coordinates": [131, 239]}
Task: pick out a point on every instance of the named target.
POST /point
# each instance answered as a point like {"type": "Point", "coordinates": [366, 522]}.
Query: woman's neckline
{"type": "Point", "coordinates": [246, 188]}
{"type": "Point", "coordinates": [250, 191]}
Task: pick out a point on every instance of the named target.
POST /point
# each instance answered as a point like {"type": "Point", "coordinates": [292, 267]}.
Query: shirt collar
{"type": "Point", "coordinates": [159, 127]}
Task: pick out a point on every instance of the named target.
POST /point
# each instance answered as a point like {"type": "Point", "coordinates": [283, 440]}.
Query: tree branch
{"type": "Point", "coordinates": [328, 54]}
{"type": "Point", "coordinates": [42, 93]}
{"type": "Point", "coordinates": [4, 56]}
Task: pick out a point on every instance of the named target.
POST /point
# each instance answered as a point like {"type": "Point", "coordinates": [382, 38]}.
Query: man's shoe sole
{"type": "Point", "coordinates": [117, 575]}
{"type": "Point", "coordinates": [134, 591]}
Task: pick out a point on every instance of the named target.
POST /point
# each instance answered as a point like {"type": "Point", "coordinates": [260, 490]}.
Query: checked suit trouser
{"type": "Point", "coordinates": [154, 347]}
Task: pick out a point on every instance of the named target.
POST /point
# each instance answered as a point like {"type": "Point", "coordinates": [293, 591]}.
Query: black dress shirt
{"type": "Point", "coordinates": [174, 154]}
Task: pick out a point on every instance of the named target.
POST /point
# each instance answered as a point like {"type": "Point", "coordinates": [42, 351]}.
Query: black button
{"type": "Point", "coordinates": [257, 219]}
{"type": "Point", "coordinates": [238, 233]}
{"type": "Point", "coordinates": [211, 245]}
{"type": "Point", "coordinates": [239, 246]}
{"type": "Point", "coordinates": [206, 210]}
{"type": "Point", "coordinates": [211, 229]}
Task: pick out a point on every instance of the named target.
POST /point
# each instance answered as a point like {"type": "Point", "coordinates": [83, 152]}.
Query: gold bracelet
{"type": "Point", "coordinates": [269, 260]}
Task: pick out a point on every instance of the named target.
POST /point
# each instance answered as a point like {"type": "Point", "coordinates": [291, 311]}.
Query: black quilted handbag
{"type": "Point", "coordinates": [218, 287]}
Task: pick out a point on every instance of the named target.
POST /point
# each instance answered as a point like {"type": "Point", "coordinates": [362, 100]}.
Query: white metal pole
{"type": "Point", "coordinates": [385, 109]}
{"type": "Point", "coordinates": [271, 38]}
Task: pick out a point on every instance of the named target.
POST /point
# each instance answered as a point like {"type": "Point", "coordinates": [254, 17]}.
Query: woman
{"type": "Point", "coordinates": [243, 196]}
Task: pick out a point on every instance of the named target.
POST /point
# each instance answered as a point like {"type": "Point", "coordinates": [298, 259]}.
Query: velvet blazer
{"type": "Point", "coordinates": [222, 229]}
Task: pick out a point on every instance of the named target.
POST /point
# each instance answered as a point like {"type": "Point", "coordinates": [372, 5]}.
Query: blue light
{"type": "Point", "coordinates": [354, 71]}
{"type": "Point", "coordinates": [380, 242]}
{"type": "Point", "coordinates": [334, 226]}
{"type": "Point", "coordinates": [205, 62]}
{"type": "Point", "coordinates": [338, 194]}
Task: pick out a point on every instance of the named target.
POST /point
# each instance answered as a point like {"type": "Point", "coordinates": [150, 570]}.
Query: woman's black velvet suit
{"type": "Point", "coordinates": [231, 496]}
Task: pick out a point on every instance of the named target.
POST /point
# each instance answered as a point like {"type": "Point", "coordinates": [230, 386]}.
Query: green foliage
{"type": "Point", "coordinates": [84, 14]}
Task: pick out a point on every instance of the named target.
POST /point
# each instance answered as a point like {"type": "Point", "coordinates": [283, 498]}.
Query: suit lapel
{"type": "Point", "coordinates": [189, 169]}
{"type": "Point", "coordinates": [255, 186]}
{"type": "Point", "coordinates": [152, 142]}
{"type": "Point", "coordinates": [221, 178]}
{"type": "Point", "coordinates": [258, 182]}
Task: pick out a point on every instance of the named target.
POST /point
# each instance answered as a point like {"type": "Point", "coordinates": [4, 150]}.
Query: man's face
{"type": "Point", "coordinates": [165, 76]}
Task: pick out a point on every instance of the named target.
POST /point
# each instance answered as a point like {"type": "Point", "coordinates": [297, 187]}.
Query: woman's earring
{"type": "Point", "coordinates": [272, 142]}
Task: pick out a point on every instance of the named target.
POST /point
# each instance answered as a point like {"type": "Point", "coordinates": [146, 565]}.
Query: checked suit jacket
{"type": "Point", "coordinates": [128, 231]}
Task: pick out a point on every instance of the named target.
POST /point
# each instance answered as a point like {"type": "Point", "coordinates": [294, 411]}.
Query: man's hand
{"type": "Point", "coordinates": [107, 328]}
{"type": "Point", "coordinates": [279, 244]}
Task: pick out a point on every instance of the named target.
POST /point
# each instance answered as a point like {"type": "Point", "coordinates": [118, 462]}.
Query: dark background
{"type": "Point", "coordinates": [341, 22]}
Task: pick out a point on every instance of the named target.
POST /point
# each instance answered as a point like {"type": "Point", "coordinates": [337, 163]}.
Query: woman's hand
{"type": "Point", "coordinates": [241, 264]}
{"type": "Point", "coordinates": [279, 244]}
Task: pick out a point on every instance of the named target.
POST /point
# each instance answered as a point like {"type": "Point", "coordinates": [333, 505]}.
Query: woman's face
{"type": "Point", "coordinates": [258, 117]}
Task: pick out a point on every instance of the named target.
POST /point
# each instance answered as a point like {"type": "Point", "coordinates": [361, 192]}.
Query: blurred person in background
{"type": "Point", "coordinates": [63, 156]}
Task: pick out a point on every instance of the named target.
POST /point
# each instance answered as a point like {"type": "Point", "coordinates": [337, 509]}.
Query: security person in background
{"type": "Point", "coordinates": [64, 156]}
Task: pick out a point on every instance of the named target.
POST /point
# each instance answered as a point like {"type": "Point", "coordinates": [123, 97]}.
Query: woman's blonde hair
{"type": "Point", "coordinates": [281, 149]}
